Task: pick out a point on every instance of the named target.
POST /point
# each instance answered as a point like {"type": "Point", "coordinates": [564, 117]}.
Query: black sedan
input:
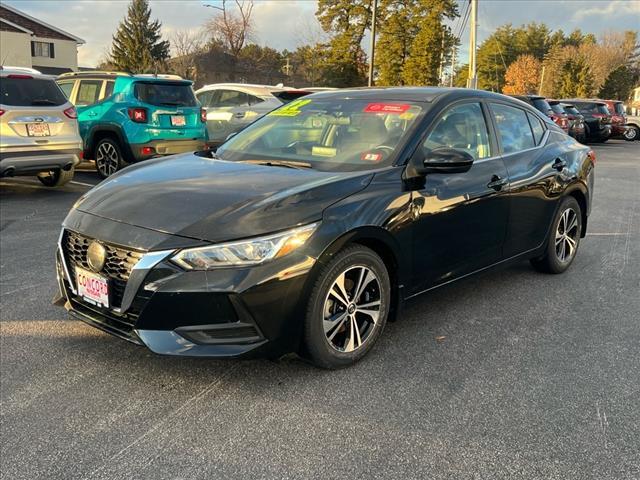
{"type": "Point", "coordinates": [307, 230]}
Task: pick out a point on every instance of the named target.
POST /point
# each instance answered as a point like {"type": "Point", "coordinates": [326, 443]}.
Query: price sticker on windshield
{"type": "Point", "coordinates": [291, 109]}
{"type": "Point", "coordinates": [387, 108]}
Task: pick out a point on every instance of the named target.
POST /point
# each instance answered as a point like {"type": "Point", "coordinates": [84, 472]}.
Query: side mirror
{"type": "Point", "coordinates": [444, 160]}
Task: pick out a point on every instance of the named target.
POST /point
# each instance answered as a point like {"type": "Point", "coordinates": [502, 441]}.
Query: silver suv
{"type": "Point", "coordinates": [38, 128]}
{"type": "Point", "coordinates": [232, 106]}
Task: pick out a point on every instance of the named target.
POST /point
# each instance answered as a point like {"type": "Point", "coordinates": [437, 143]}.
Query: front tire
{"type": "Point", "coordinates": [108, 157]}
{"type": "Point", "coordinates": [564, 239]}
{"type": "Point", "coordinates": [56, 178]}
{"type": "Point", "coordinates": [347, 309]}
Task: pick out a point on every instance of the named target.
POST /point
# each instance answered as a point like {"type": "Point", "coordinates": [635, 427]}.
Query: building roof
{"type": "Point", "coordinates": [12, 19]}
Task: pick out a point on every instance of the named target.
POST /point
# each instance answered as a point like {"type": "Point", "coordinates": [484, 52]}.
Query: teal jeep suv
{"type": "Point", "coordinates": [127, 118]}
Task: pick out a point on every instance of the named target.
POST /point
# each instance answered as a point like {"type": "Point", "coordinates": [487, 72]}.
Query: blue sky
{"type": "Point", "coordinates": [287, 23]}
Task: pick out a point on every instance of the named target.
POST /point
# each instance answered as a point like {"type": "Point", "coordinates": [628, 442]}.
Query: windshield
{"type": "Point", "coordinates": [542, 105]}
{"type": "Point", "coordinates": [25, 91]}
{"type": "Point", "coordinates": [169, 94]}
{"type": "Point", "coordinates": [571, 110]}
{"type": "Point", "coordinates": [557, 108]}
{"type": "Point", "coordinates": [619, 108]}
{"type": "Point", "coordinates": [603, 109]}
{"type": "Point", "coordinates": [330, 135]}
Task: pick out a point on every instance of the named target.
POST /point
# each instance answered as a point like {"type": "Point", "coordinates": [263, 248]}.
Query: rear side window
{"type": "Point", "coordinates": [205, 98]}
{"type": "Point", "coordinates": [29, 92]}
{"type": "Point", "coordinates": [463, 128]}
{"type": "Point", "coordinates": [165, 94]}
{"type": "Point", "coordinates": [232, 98]}
{"type": "Point", "coordinates": [619, 107]}
{"type": "Point", "coordinates": [603, 109]}
{"type": "Point", "coordinates": [67, 88]}
{"type": "Point", "coordinates": [108, 89]}
{"type": "Point", "coordinates": [88, 92]}
{"type": "Point", "coordinates": [513, 128]}
{"type": "Point", "coordinates": [536, 127]}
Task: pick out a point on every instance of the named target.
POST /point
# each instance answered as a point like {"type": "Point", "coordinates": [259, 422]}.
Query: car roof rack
{"type": "Point", "coordinates": [94, 72]}
{"type": "Point", "coordinates": [166, 76]}
{"type": "Point", "coordinates": [21, 69]}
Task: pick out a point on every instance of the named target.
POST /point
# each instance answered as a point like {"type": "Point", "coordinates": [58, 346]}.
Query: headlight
{"type": "Point", "coordinates": [246, 252]}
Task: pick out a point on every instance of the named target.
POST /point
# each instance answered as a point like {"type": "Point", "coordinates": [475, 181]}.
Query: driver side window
{"type": "Point", "coordinates": [462, 127]}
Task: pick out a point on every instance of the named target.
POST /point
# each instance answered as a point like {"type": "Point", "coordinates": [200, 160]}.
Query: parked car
{"type": "Point", "coordinates": [232, 106]}
{"type": "Point", "coordinates": [129, 118]}
{"type": "Point", "coordinates": [544, 106]}
{"type": "Point", "coordinates": [559, 115]}
{"type": "Point", "coordinates": [618, 118]}
{"type": "Point", "coordinates": [576, 122]}
{"type": "Point", "coordinates": [597, 118]}
{"type": "Point", "coordinates": [633, 128]}
{"type": "Point", "coordinates": [38, 128]}
{"type": "Point", "coordinates": [308, 229]}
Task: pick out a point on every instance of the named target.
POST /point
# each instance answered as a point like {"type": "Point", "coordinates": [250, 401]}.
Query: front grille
{"type": "Point", "coordinates": [117, 267]}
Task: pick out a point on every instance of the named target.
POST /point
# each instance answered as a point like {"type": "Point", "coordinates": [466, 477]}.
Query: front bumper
{"type": "Point", "coordinates": [239, 312]}
{"type": "Point", "coordinates": [29, 162]}
{"type": "Point", "coordinates": [166, 147]}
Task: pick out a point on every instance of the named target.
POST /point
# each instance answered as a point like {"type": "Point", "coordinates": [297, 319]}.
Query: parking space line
{"type": "Point", "coordinates": [608, 234]}
{"type": "Point", "coordinates": [82, 183]}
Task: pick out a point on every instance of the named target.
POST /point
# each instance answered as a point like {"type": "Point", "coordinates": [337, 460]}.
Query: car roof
{"type": "Point", "coordinates": [255, 89]}
{"type": "Point", "coordinates": [584, 100]}
{"type": "Point", "coordinates": [106, 75]}
{"type": "Point", "coordinates": [6, 70]}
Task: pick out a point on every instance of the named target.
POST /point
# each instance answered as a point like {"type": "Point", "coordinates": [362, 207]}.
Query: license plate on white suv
{"type": "Point", "coordinates": [38, 130]}
{"type": "Point", "coordinates": [92, 287]}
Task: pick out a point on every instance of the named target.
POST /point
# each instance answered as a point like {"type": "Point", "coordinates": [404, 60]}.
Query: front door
{"type": "Point", "coordinates": [461, 218]}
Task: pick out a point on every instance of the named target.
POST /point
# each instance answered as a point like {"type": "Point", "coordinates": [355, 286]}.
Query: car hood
{"type": "Point", "coordinates": [215, 200]}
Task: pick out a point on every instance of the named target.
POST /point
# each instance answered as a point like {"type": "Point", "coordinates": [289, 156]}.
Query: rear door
{"type": "Point", "coordinates": [534, 164]}
{"type": "Point", "coordinates": [87, 98]}
{"type": "Point", "coordinates": [33, 113]}
{"type": "Point", "coordinates": [227, 113]}
{"type": "Point", "coordinates": [172, 106]}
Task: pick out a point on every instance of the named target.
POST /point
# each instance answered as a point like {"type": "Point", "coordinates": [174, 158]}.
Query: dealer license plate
{"type": "Point", "coordinates": [178, 120]}
{"type": "Point", "coordinates": [92, 287]}
{"type": "Point", "coordinates": [38, 130]}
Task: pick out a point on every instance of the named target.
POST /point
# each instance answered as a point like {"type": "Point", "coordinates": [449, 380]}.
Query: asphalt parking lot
{"type": "Point", "coordinates": [513, 374]}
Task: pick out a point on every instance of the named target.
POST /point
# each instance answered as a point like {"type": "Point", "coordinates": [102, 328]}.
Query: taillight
{"type": "Point", "coordinates": [1, 112]}
{"type": "Point", "coordinates": [147, 150]}
{"type": "Point", "coordinates": [71, 113]}
{"type": "Point", "coordinates": [592, 156]}
{"type": "Point", "coordinates": [203, 115]}
{"type": "Point", "coordinates": [138, 115]}
{"type": "Point", "coordinates": [24, 77]}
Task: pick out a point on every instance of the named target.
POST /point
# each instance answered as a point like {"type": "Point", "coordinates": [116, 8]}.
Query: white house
{"type": "Point", "coordinates": [28, 42]}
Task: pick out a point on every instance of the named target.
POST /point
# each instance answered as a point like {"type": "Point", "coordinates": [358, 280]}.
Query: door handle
{"type": "Point", "coordinates": [497, 183]}
{"type": "Point", "coordinates": [92, 114]}
{"type": "Point", "coordinates": [559, 164]}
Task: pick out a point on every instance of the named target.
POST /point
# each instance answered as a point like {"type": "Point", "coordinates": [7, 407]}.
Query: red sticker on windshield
{"type": "Point", "coordinates": [387, 108]}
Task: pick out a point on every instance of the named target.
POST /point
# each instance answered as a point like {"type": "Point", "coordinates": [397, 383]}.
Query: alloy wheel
{"type": "Point", "coordinates": [567, 235]}
{"type": "Point", "coordinates": [352, 308]}
{"type": "Point", "coordinates": [631, 133]}
{"type": "Point", "coordinates": [107, 159]}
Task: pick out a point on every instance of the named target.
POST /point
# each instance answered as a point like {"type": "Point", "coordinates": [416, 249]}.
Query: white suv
{"type": "Point", "coordinates": [232, 106]}
{"type": "Point", "coordinates": [38, 128]}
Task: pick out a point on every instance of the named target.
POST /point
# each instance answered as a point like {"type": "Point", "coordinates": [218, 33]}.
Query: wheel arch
{"type": "Point", "coordinates": [581, 197]}
{"type": "Point", "coordinates": [385, 246]}
{"type": "Point", "coordinates": [114, 132]}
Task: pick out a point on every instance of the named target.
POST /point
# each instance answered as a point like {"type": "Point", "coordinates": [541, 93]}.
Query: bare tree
{"type": "Point", "coordinates": [186, 44]}
{"type": "Point", "coordinates": [232, 27]}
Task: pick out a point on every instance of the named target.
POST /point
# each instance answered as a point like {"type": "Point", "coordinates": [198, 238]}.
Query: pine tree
{"type": "Point", "coordinates": [397, 31]}
{"type": "Point", "coordinates": [421, 68]}
{"type": "Point", "coordinates": [137, 46]}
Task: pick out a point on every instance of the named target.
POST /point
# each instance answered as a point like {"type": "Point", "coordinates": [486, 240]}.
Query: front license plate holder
{"type": "Point", "coordinates": [92, 287]}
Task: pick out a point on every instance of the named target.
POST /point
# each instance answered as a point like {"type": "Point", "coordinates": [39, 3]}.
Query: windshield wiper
{"type": "Point", "coordinates": [280, 163]}
{"type": "Point", "coordinates": [43, 101]}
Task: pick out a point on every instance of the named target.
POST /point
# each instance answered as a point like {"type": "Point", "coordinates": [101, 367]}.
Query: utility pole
{"type": "Point", "coordinates": [372, 46]}
{"type": "Point", "coordinates": [453, 65]}
{"type": "Point", "coordinates": [440, 80]}
{"type": "Point", "coordinates": [473, 79]}
{"type": "Point", "coordinates": [541, 81]}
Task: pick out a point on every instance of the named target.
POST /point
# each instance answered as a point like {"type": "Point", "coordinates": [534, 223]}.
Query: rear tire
{"type": "Point", "coordinates": [347, 309]}
{"type": "Point", "coordinates": [564, 239]}
{"type": "Point", "coordinates": [56, 178]}
{"type": "Point", "coordinates": [108, 157]}
{"type": "Point", "coordinates": [632, 133]}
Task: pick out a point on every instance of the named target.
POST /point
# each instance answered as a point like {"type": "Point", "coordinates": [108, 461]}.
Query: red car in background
{"type": "Point", "coordinates": [618, 118]}
{"type": "Point", "coordinates": [559, 115]}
